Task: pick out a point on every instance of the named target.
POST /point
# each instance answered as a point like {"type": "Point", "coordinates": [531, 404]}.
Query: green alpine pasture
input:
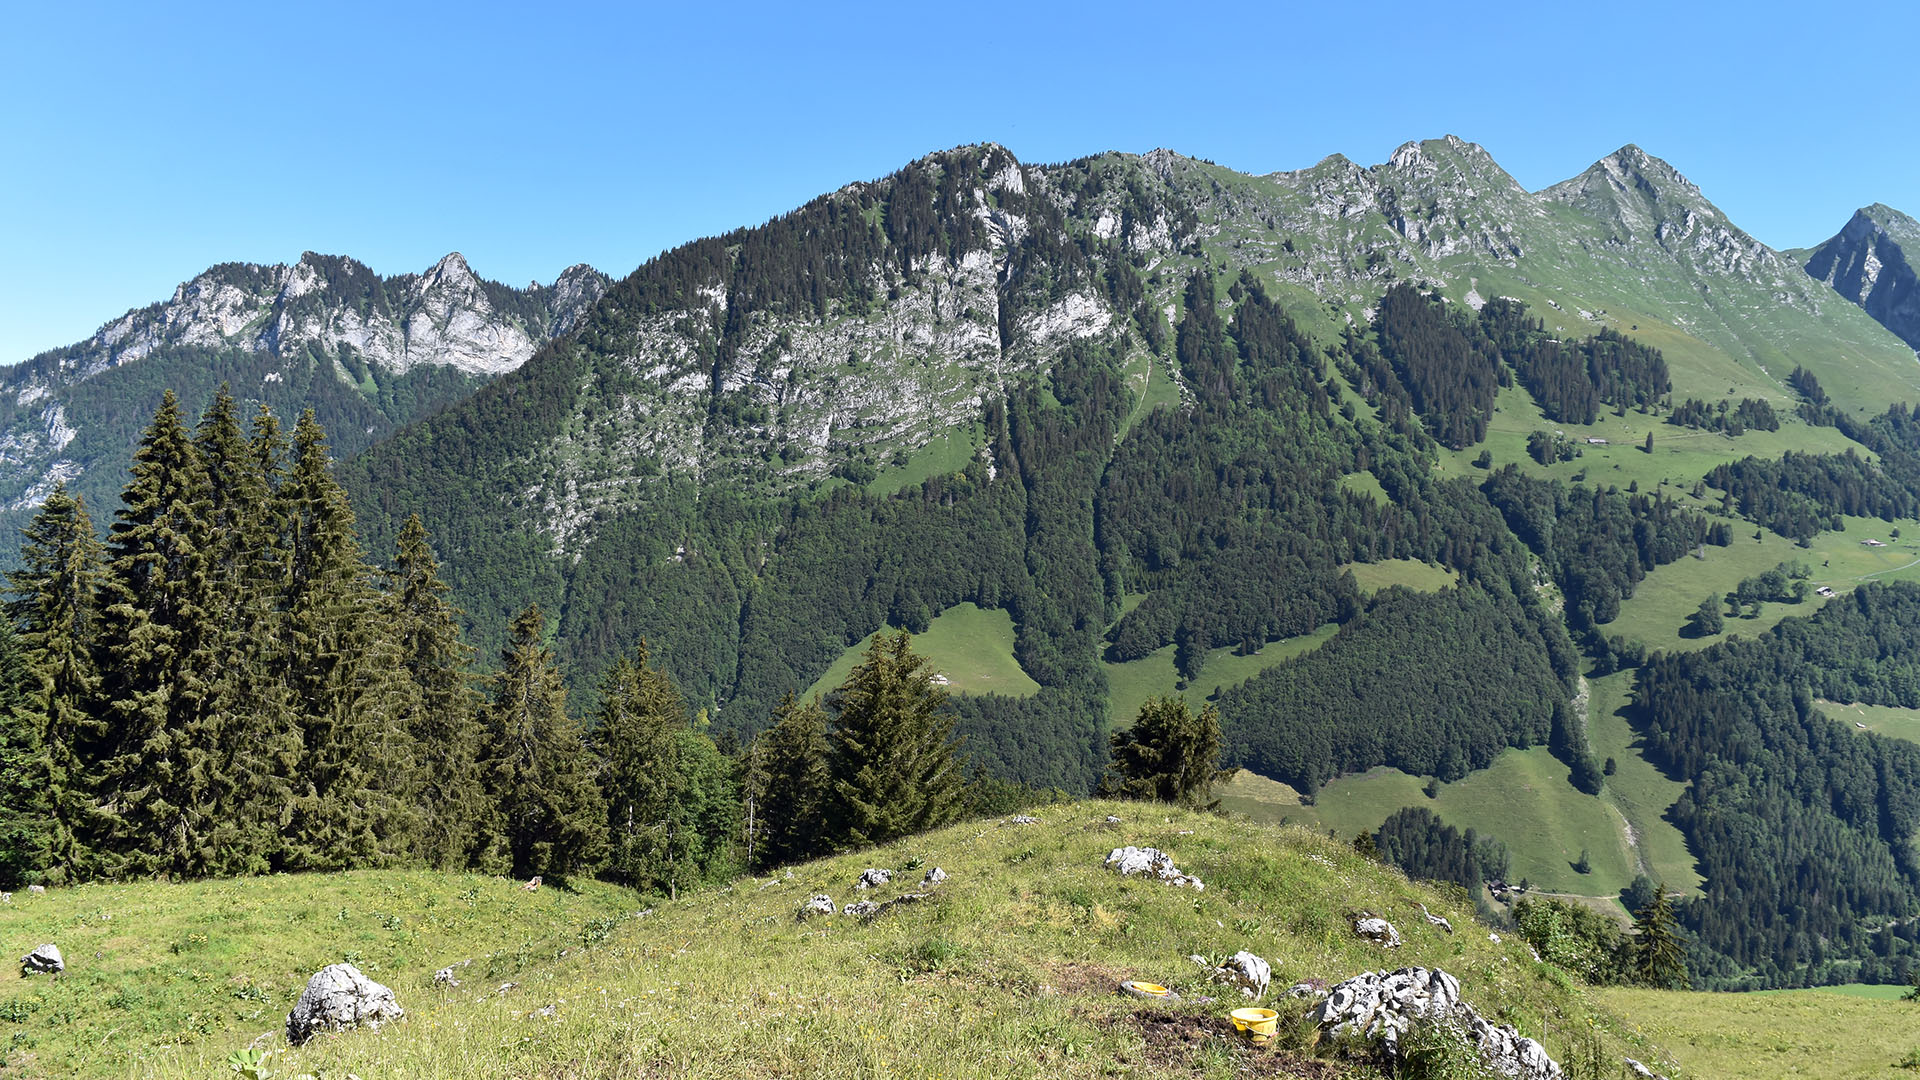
{"type": "Point", "coordinates": [1833, 1033]}
{"type": "Point", "coordinates": [1007, 969]}
{"type": "Point", "coordinates": [970, 645]}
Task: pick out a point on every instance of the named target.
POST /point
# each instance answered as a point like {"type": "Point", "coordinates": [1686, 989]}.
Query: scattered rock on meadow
{"type": "Point", "coordinates": [1246, 972]}
{"type": "Point", "coordinates": [873, 877]}
{"type": "Point", "coordinates": [1436, 920]}
{"type": "Point", "coordinates": [1153, 863]}
{"type": "Point", "coordinates": [1641, 1072]}
{"type": "Point", "coordinates": [1307, 990]}
{"type": "Point", "coordinates": [1377, 930]}
{"type": "Point", "coordinates": [36, 888]}
{"type": "Point", "coordinates": [819, 904]}
{"type": "Point", "coordinates": [43, 960]}
{"type": "Point", "coordinates": [1381, 1007]}
{"type": "Point", "coordinates": [1113, 819]}
{"type": "Point", "coordinates": [445, 976]}
{"type": "Point", "coordinates": [860, 909]}
{"type": "Point", "coordinates": [339, 997]}
{"type": "Point", "coordinates": [1023, 819]}
{"type": "Point", "coordinates": [934, 877]}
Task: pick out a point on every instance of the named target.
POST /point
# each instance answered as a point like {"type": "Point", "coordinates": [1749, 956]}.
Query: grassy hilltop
{"type": "Point", "coordinates": [1010, 970]}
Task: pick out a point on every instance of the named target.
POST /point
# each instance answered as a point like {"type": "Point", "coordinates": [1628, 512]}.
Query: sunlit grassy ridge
{"type": "Point", "coordinates": [1009, 970]}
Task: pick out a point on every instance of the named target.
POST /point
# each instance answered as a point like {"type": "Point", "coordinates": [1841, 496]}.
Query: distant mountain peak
{"type": "Point", "coordinates": [1870, 262]}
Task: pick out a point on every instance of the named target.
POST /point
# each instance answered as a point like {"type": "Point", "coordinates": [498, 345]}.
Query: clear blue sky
{"type": "Point", "coordinates": [141, 143]}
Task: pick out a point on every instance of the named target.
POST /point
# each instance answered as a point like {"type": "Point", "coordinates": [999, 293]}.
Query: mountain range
{"type": "Point", "coordinates": [1368, 456]}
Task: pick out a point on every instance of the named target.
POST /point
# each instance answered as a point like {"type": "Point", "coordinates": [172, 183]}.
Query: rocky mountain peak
{"type": "Point", "coordinates": [451, 270]}
{"type": "Point", "coordinates": [1870, 262]}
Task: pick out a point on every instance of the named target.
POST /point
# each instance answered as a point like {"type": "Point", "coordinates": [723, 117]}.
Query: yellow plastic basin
{"type": "Point", "coordinates": [1257, 1024]}
{"type": "Point", "coordinates": [1146, 989]}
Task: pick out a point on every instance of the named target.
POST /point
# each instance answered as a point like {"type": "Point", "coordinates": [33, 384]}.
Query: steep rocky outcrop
{"type": "Point", "coordinates": [367, 353]}
{"type": "Point", "coordinates": [1870, 262]}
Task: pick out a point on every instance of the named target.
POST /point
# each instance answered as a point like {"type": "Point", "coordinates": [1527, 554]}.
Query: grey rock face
{"type": "Point", "coordinates": [340, 997]}
{"type": "Point", "coordinates": [43, 960]}
{"type": "Point", "coordinates": [1870, 262]}
{"type": "Point", "coordinates": [1377, 930]}
{"type": "Point", "coordinates": [1383, 1006]}
{"type": "Point", "coordinates": [873, 878]}
{"type": "Point", "coordinates": [1247, 973]}
{"type": "Point", "coordinates": [1152, 862]}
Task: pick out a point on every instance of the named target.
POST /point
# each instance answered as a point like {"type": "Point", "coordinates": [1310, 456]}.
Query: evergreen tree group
{"type": "Point", "coordinates": [227, 685]}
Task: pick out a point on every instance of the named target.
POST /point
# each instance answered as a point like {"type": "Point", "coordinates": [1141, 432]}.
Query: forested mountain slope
{"type": "Point", "coordinates": [1154, 410]}
{"type": "Point", "coordinates": [366, 353]}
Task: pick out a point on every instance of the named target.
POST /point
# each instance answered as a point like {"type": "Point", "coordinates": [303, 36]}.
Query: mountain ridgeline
{"type": "Point", "coordinates": [1146, 407]}
{"type": "Point", "coordinates": [366, 353]}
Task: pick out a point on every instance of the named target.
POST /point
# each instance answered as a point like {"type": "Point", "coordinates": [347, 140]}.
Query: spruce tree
{"type": "Point", "coordinates": [1659, 956]}
{"type": "Point", "coordinates": [895, 764]}
{"type": "Point", "coordinates": [27, 823]}
{"type": "Point", "coordinates": [1169, 753]}
{"type": "Point", "coordinates": [789, 785]}
{"type": "Point", "coordinates": [260, 744]}
{"type": "Point", "coordinates": [445, 725]}
{"type": "Point", "coordinates": [159, 630]}
{"type": "Point", "coordinates": [551, 817]}
{"type": "Point", "coordinates": [356, 800]}
{"type": "Point", "coordinates": [55, 602]}
{"type": "Point", "coordinates": [637, 736]}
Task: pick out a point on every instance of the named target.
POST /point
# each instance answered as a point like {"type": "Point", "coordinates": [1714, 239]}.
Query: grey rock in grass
{"type": "Point", "coordinates": [340, 997]}
{"type": "Point", "coordinates": [1153, 863]}
{"type": "Point", "coordinates": [37, 889]}
{"type": "Point", "coordinates": [445, 976]}
{"type": "Point", "coordinates": [1381, 1007]}
{"type": "Point", "coordinates": [1641, 1072]}
{"type": "Point", "coordinates": [1023, 819]}
{"type": "Point", "coordinates": [43, 960]}
{"type": "Point", "coordinates": [861, 909]}
{"type": "Point", "coordinates": [820, 904]}
{"type": "Point", "coordinates": [1377, 930]}
{"type": "Point", "coordinates": [934, 877]}
{"type": "Point", "coordinates": [873, 878]}
{"type": "Point", "coordinates": [1436, 920]}
{"type": "Point", "coordinates": [1246, 972]}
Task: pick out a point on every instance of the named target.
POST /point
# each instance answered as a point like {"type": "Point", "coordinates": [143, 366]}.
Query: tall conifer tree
{"type": "Point", "coordinates": [637, 736]}
{"type": "Point", "coordinates": [552, 819]}
{"type": "Point", "coordinates": [260, 743]}
{"type": "Point", "coordinates": [55, 603]}
{"type": "Point", "coordinates": [356, 803]}
{"type": "Point", "coordinates": [895, 763]}
{"type": "Point", "coordinates": [789, 784]}
{"type": "Point", "coordinates": [27, 824]}
{"type": "Point", "coordinates": [159, 635]}
{"type": "Point", "coordinates": [445, 725]}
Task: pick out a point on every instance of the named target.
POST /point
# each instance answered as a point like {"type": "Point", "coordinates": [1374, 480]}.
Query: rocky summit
{"type": "Point", "coordinates": [366, 352]}
{"type": "Point", "coordinates": [1868, 262]}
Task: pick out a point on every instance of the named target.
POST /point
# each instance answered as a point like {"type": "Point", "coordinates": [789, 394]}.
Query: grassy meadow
{"type": "Point", "coordinates": [972, 646]}
{"type": "Point", "coordinates": [1833, 1033]}
{"type": "Point", "coordinates": [1010, 969]}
